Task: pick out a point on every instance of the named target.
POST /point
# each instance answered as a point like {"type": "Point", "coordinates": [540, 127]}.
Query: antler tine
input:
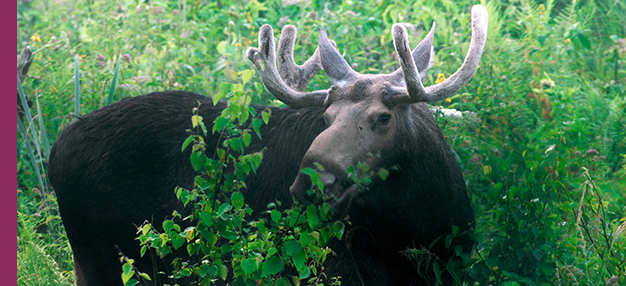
{"type": "Point", "coordinates": [264, 60]}
{"type": "Point", "coordinates": [467, 70]}
{"type": "Point", "coordinates": [296, 77]}
{"type": "Point", "coordinates": [415, 89]}
{"type": "Point", "coordinates": [416, 92]}
{"type": "Point", "coordinates": [422, 56]}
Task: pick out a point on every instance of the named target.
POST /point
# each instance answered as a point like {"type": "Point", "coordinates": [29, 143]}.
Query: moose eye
{"type": "Point", "coordinates": [383, 119]}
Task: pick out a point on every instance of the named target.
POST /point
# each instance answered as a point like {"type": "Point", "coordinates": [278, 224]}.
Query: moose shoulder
{"type": "Point", "coordinates": [118, 166]}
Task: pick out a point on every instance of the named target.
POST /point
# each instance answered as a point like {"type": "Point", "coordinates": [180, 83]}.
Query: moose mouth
{"type": "Point", "coordinates": [338, 195]}
{"type": "Point", "coordinates": [340, 202]}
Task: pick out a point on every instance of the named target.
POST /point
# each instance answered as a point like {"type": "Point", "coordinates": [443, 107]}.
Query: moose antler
{"type": "Point", "coordinates": [415, 91]}
{"type": "Point", "coordinates": [297, 77]}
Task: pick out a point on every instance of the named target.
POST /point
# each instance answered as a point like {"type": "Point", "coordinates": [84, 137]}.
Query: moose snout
{"type": "Point", "coordinates": [303, 183]}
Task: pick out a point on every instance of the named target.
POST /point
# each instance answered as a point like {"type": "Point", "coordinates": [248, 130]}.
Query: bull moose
{"type": "Point", "coordinates": [117, 167]}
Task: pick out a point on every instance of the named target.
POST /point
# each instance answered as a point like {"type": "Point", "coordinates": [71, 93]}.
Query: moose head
{"type": "Point", "coordinates": [366, 114]}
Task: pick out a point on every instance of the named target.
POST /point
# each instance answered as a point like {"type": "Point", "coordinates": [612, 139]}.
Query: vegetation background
{"type": "Point", "coordinates": [542, 142]}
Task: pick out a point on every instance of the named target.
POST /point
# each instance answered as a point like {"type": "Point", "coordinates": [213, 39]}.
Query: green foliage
{"type": "Point", "coordinates": [221, 240]}
{"type": "Point", "coordinates": [42, 259]}
{"type": "Point", "coordinates": [542, 143]}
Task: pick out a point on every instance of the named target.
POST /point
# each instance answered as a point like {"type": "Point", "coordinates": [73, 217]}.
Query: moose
{"type": "Point", "coordinates": [118, 166]}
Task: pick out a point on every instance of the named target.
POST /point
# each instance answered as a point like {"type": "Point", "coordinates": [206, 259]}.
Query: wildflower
{"type": "Point", "coordinates": [101, 60]}
{"type": "Point", "coordinates": [614, 281]}
{"type": "Point", "coordinates": [591, 152]}
{"type": "Point", "coordinates": [126, 57]}
{"type": "Point", "coordinates": [448, 100]}
{"type": "Point", "coordinates": [567, 41]}
{"type": "Point", "coordinates": [504, 78]}
{"type": "Point", "coordinates": [476, 159]}
{"type": "Point", "coordinates": [141, 79]}
{"type": "Point", "coordinates": [440, 78]}
{"type": "Point", "coordinates": [577, 153]}
{"type": "Point", "coordinates": [35, 38]}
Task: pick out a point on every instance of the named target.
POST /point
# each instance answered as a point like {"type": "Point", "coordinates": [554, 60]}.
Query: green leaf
{"type": "Point", "coordinates": [266, 115]}
{"type": "Point", "coordinates": [177, 240]}
{"type": "Point", "coordinates": [292, 247]}
{"type": "Point", "coordinates": [383, 174]}
{"type": "Point", "coordinates": [250, 265]}
{"type": "Point", "coordinates": [213, 271]}
{"type": "Point", "coordinates": [145, 276]}
{"type": "Point", "coordinates": [271, 266]}
{"type": "Point", "coordinates": [198, 159]}
{"type": "Point", "coordinates": [305, 239]}
{"type": "Point", "coordinates": [187, 142]}
{"type": "Point", "coordinates": [220, 123]}
{"type": "Point", "coordinates": [237, 199]}
{"type": "Point", "coordinates": [195, 120]}
{"type": "Point", "coordinates": [299, 261]}
{"type": "Point", "coordinates": [221, 48]}
{"type": "Point", "coordinates": [486, 169]}
{"type": "Point", "coordinates": [145, 228]}
{"type": "Point", "coordinates": [305, 272]}
{"type": "Point", "coordinates": [222, 271]}
{"type": "Point", "coordinates": [193, 248]}
{"type": "Point", "coordinates": [247, 138]}
{"type": "Point", "coordinates": [127, 273]}
{"type": "Point", "coordinates": [204, 269]}
{"type": "Point", "coordinates": [246, 75]}
{"type": "Point", "coordinates": [206, 218]}
{"type": "Point", "coordinates": [276, 215]}
{"type": "Point", "coordinates": [168, 225]}
{"type": "Point", "coordinates": [584, 41]}
{"type": "Point", "coordinates": [312, 217]}
{"type": "Point", "coordinates": [223, 209]}
{"type": "Point", "coordinates": [256, 126]}
{"type": "Point", "coordinates": [338, 229]}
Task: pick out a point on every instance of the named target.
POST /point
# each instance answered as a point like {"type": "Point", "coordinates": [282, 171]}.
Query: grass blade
{"type": "Point", "coordinates": [25, 107]}
{"type": "Point", "coordinates": [113, 83]}
{"type": "Point", "coordinates": [29, 116]}
{"type": "Point", "coordinates": [42, 130]}
{"type": "Point", "coordinates": [31, 153]}
{"type": "Point", "coordinates": [76, 88]}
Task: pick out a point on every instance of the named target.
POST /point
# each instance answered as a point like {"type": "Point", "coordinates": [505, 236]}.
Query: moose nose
{"type": "Point", "coordinates": [328, 179]}
{"type": "Point", "coordinates": [303, 183]}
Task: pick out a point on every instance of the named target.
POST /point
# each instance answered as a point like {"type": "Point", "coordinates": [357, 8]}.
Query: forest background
{"type": "Point", "coordinates": [542, 139]}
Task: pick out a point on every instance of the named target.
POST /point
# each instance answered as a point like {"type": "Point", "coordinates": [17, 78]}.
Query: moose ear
{"type": "Point", "coordinates": [424, 53]}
